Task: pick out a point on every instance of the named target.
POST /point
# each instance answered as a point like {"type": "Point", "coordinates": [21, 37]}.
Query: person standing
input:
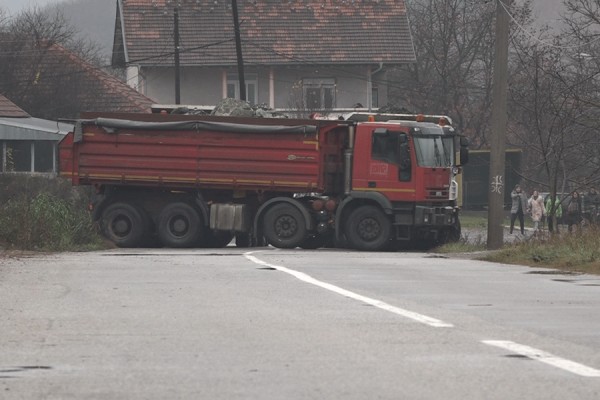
{"type": "Point", "coordinates": [574, 211]}
{"type": "Point", "coordinates": [517, 210]}
{"type": "Point", "coordinates": [554, 212]}
{"type": "Point", "coordinates": [536, 207]}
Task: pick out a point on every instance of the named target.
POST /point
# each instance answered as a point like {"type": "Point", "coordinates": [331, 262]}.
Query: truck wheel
{"type": "Point", "coordinates": [284, 226]}
{"type": "Point", "coordinates": [368, 228]}
{"type": "Point", "coordinates": [179, 225]}
{"type": "Point", "coordinates": [123, 224]}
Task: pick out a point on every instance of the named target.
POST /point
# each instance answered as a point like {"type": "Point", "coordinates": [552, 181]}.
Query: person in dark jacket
{"type": "Point", "coordinates": [518, 208]}
{"type": "Point", "coordinates": [574, 211]}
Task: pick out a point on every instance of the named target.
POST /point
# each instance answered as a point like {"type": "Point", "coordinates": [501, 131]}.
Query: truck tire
{"type": "Point", "coordinates": [368, 229]}
{"type": "Point", "coordinates": [124, 224]}
{"type": "Point", "coordinates": [179, 225]}
{"type": "Point", "coordinates": [284, 226]}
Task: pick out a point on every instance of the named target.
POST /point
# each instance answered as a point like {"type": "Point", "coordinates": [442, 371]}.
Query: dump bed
{"type": "Point", "coordinates": [206, 152]}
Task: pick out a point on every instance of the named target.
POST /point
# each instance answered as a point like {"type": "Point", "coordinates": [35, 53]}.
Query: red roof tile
{"type": "Point", "coordinates": [99, 90]}
{"type": "Point", "coordinates": [274, 32]}
{"type": "Point", "coordinates": [10, 109]}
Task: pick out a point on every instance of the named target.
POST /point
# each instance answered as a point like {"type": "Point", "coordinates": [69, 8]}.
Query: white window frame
{"type": "Point", "coordinates": [249, 79]}
{"type": "Point", "coordinates": [319, 83]}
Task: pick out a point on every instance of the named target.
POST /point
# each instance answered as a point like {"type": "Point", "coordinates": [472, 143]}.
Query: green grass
{"type": "Point", "coordinates": [43, 214]}
{"type": "Point", "coordinates": [569, 252]}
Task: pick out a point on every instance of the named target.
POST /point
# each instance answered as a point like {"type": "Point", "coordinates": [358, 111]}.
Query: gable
{"type": "Point", "coordinates": [273, 32]}
{"type": "Point", "coordinates": [10, 109]}
{"type": "Point", "coordinates": [83, 86]}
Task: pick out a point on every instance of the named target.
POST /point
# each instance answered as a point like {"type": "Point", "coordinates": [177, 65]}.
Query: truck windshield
{"type": "Point", "coordinates": [434, 151]}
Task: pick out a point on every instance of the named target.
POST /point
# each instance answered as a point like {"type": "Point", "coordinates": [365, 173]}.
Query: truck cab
{"type": "Point", "coordinates": [405, 166]}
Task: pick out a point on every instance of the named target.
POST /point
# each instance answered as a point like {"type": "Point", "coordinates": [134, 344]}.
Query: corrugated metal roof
{"type": "Point", "coordinates": [274, 32]}
{"type": "Point", "coordinates": [32, 129]}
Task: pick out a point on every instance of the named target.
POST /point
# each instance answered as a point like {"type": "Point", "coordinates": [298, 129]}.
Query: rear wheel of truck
{"type": "Point", "coordinates": [179, 225]}
{"type": "Point", "coordinates": [284, 226]}
{"type": "Point", "coordinates": [123, 224]}
{"type": "Point", "coordinates": [368, 228]}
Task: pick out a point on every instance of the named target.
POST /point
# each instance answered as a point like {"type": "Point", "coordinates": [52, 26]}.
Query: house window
{"type": "Point", "coordinates": [319, 94]}
{"type": "Point", "coordinates": [43, 160]}
{"type": "Point", "coordinates": [233, 87]}
{"type": "Point", "coordinates": [17, 156]}
{"type": "Point", "coordinates": [28, 156]}
{"type": "Point", "coordinates": [375, 97]}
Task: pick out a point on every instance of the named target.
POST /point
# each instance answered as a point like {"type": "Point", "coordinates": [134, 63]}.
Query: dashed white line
{"type": "Point", "coordinates": [424, 319]}
{"type": "Point", "coordinates": [547, 358]}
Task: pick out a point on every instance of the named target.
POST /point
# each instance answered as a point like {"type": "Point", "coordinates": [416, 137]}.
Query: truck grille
{"type": "Point", "coordinates": [432, 193]}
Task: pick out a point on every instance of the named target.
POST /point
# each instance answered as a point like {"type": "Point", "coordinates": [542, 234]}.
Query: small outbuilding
{"type": "Point", "coordinates": [28, 144]}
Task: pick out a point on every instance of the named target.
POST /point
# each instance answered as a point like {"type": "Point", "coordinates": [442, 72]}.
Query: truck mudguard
{"type": "Point", "coordinates": [110, 125]}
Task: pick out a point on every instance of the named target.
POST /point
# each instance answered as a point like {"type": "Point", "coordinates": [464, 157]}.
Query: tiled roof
{"type": "Point", "coordinates": [10, 109]}
{"type": "Point", "coordinates": [273, 32]}
{"type": "Point", "coordinates": [98, 90]}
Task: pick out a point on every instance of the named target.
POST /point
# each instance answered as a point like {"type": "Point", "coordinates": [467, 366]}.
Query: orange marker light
{"type": "Point", "coordinates": [371, 118]}
{"type": "Point", "coordinates": [420, 118]}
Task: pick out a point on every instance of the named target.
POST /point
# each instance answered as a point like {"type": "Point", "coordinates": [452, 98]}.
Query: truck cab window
{"type": "Point", "coordinates": [392, 147]}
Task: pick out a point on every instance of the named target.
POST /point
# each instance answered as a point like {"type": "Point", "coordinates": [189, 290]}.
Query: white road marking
{"type": "Point", "coordinates": [544, 357]}
{"type": "Point", "coordinates": [436, 323]}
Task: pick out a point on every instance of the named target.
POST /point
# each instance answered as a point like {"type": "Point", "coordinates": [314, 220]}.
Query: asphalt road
{"type": "Point", "coordinates": [273, 324]}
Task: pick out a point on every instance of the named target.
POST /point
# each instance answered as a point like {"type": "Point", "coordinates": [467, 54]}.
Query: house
{"type": "Point", "coordinates": [65, 85]}
{"type": "Point", "coordinates": [312, 55]}
{"type": "Point", "coordinates": [28, 144]}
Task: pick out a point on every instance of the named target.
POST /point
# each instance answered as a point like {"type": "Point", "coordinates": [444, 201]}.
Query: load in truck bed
{"type": "Point", "coordinates": [240, 154]}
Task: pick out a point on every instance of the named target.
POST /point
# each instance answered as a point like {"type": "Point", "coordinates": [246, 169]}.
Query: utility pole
{"type": "Point", "coordinates": [176, 40]}
{"type": "Point", "coordinates": [498, 125]}
{"type": "Point", "coordinates": [238, 50]}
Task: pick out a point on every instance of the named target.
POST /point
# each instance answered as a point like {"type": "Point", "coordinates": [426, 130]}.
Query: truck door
{"type": "Point", "coordinates": [387, 166]}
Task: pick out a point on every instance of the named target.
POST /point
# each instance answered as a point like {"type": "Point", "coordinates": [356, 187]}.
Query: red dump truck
{"type": "Point", "coordinates": [367, 182]}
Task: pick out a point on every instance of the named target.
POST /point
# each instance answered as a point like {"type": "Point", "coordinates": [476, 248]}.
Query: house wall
{"type": "Point", "coordinates": [204, 86]}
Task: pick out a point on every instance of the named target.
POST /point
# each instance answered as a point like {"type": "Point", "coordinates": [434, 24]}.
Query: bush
{"type": "Point", "coordinates": [39, 213]}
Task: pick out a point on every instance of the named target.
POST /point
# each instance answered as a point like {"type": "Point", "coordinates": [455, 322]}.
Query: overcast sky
{"type": "Point", "coordinates": [14, 6]}
{"type": "Point", "coordinates": [547, 10]}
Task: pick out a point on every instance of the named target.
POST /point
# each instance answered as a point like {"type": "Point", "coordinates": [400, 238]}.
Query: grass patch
{"type": "Point", "coordinates": [473, 221]}
{"type": "Point", "coordinates": [45, 214]}
{"type": "Point", "coordinates": [569, 252]}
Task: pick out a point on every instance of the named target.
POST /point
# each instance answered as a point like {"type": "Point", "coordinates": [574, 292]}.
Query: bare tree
{"type": "Point", "coordinates": [36, 72]}
{"type": "Point", "coordinates": [554, 111]}
{"type": "Point", "coordinates": [454, 43]}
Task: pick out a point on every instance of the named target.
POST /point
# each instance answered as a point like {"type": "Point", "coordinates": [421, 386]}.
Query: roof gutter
{"type": "Point", "coordinates": [125, 52]}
